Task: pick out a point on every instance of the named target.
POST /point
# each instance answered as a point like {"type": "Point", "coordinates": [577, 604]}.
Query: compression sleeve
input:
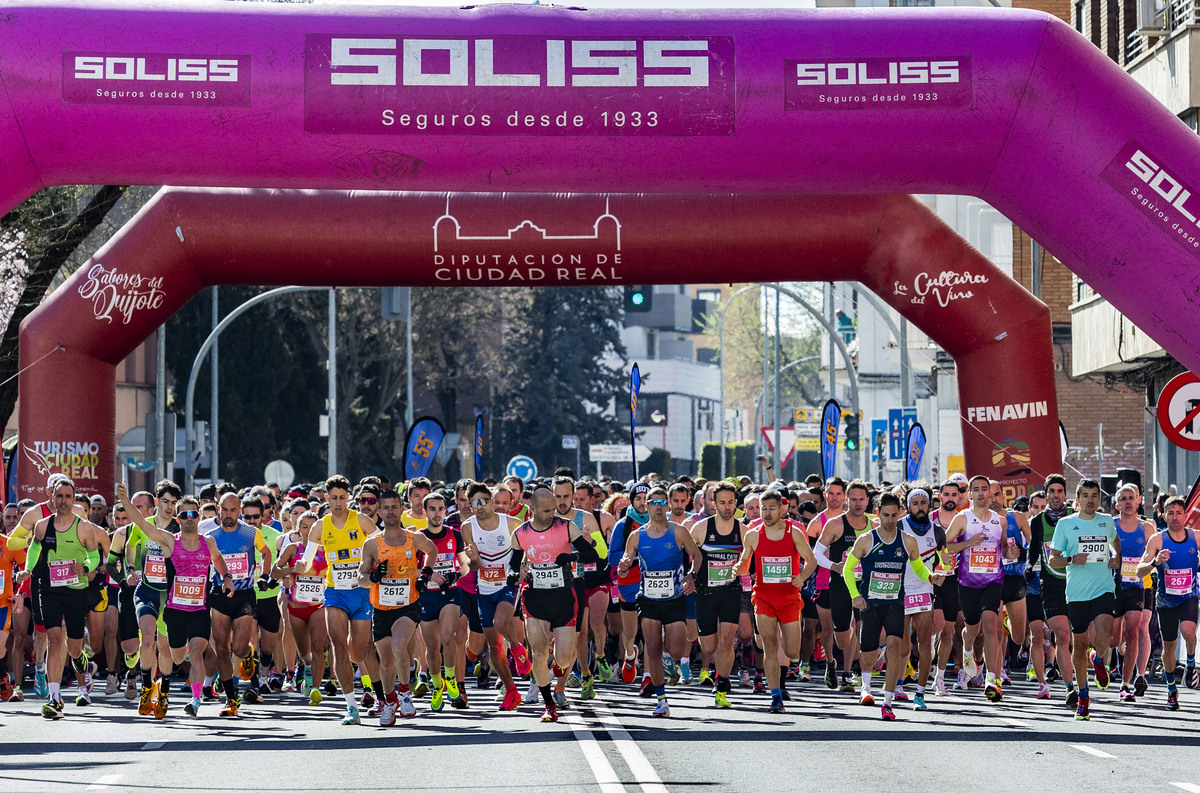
{"type": "Point", "coordinates": [112, 567]}
{"type": "Point", "coordinates": [514, 561]}
{"type": "Point", "coordinates": [918, 567]}
{"type": "Point", "coordinates": [587, 551]}
{"type": "Point", "coordinates": [848, 574]}
{"type": "Point", "coordinates": [92, 560]}
{"type": "Point", "coordinates": [821, 551]}
{"type": "Point", "coordinates": [19, 539]}
{"type": "Point", "coordinates": [35, 555]}
{"type": "Point", "coordinates": [310, 553]}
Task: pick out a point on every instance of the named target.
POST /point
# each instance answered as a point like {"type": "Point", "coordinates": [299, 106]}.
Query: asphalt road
{"type": "Point", "coordinates": [826, 742]}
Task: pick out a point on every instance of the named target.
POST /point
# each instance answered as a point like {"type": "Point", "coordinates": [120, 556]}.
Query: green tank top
{"type": "Point", "coordinates": [62, 557]}
{"type": "Point", "coordinates": [269, 534]}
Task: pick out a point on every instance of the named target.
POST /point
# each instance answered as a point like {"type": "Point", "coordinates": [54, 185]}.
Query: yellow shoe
{"type": "Point", "coordinates": [721, 700]}
{"type": "Point", "coordinates": [438, 701]}
{"type": "Point", "coordinates": [160, 706]}
{"type": "Point", "coordinates": [146, 703]}
{"type": "Point", "coordinates": [452, 688]}
{"type": "Point", "coordinates": [314, 697]}
{"type": "Point", "coordinates": [246, 669]}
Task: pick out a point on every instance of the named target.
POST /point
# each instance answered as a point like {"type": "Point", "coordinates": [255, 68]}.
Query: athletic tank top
{"type": "Point", "coordinates": [822, 576]}
{"type": "Point", "coordinates": [1177, 576]}
{"type": "Point", "coordinates": [625, 526]}
{"type": "Point", "coordinates": [594, 573]}
{"type": "Point", "coordinates": [1013, 536]}
{"type": "Point", "coordinates": [927, 545]}
{"type": "Point", "coordinates": [776, 562]}
{"type": "Point", "coordinates": [719, 554]}
{"type": "Point", "coordinates": [61, 559]}
{"type": "Point", "coordinates": [495, 549]}
{"type": "Point", "coordinates": [343, 548]}
{"type": "Point", "coordinates": [542, 549]}
{"type": "Point", "coordinates": [237, 548]}
{"type": "Point", "coordinates": [1133, 546]}
{"type": "Point", "coordinates": [188, 574]}
{"type": "Point", "coordinates": [398, 587]}
{"type": "Point", "coordinates": [947, 562]}
{"type": "Point", "coordinates": [883, 568]}
{"type": "Point", "coordinates": [449, 543]}
{"type": "Point", "coordinates": [981, 565]}
{"type": "Point", "coordinates": [661, 560]}
{"type": "Point", "coordinates": [308, 589]}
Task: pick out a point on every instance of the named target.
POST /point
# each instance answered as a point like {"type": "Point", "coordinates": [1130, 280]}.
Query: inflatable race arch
{"type": "Point", "coordinates": [1011, 106]}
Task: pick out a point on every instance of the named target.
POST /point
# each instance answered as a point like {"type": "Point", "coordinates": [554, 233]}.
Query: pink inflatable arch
{"type": "Point", "coordinates": [186, 239]}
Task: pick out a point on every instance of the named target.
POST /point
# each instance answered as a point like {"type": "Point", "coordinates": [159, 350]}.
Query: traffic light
{"type": "Point", "coordinates": [852, 432]}
{"type": "Point", "coordinates": [638, 299]}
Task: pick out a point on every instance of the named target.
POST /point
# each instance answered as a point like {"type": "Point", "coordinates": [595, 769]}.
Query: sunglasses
{"type": "Point", "coordinates": [188, 514]}
{"type": "Point", "coordinates": [657, 502]}
{"type": "Point", "coordinates": [252, 517]}
{"type": "Point", "coordinates": [367, 500]}
{"type": "Point", "coordinates": [479, 502]}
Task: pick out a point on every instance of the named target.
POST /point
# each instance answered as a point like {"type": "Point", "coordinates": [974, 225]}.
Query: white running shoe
{"type": "Point", "coordinates": [406, 705]}
{"type": "Point", "coordinates": [963, 680]}
{"type": "Point", "coordinates": [531, 696]}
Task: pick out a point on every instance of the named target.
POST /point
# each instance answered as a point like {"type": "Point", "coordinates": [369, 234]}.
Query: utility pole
{"type": "Point", "coordinates": [332, 398]}
{"type": "Point", "coordinates": [212, 421]}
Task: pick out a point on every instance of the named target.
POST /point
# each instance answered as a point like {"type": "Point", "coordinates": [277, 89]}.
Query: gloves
{"type": "Point", "coordinates": [378, 573]}
{"type": "Point", "coordinates": [423, 580]}
{"type": "Point", "coordinates": [265, 582]}
{"type": "Point", "coordinates": [451, 578]}
{"type": "Point", "coordinates": [564, 559]}
{"type": "Point", "coordinates": [513, 579]}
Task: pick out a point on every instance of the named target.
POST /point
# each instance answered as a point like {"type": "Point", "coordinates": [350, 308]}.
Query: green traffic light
{"type": "Point", "coordinates": [851, 445]}
{"type": "Point", "coordinates": [637, 298]}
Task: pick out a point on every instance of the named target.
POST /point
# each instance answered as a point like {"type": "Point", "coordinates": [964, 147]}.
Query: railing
{"type": "Point", "coordinates": [1169, 18]}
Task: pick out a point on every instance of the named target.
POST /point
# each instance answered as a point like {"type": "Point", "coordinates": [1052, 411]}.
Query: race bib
{"type": "Point", "coordinates": [1178, 582]}
{"type": "Point", "coordinates": [1096, 548]}
{"type": "Point", "coordinates": [3, 573]}
{"type": "Point", "coordinates": [776, 569]}
{"type": "Point", "coordinates": [62, 572]}
{"type": "Point", "coordinates": [1129, 565]}
{"type": "Point", "coordinates": [915, 604]}
{"type": "Point", "coordinates": [747, 583]}
{"type": "Point", "coordinates": [983, 561]}
{"type": "Point", "coordinates": [238, 565]}
{"type": "Point", "coordinates": [188, 591]}
{"type": "Point", "coordinates": [493, 575]}
{"type": "Point", "coordinates": [720, 571]}
{"type": "Point", "coordinates": [394, 592]}
{"type": "Point", "coordinates": [345, 575]}
{"type": "Point", "coordinates": [309, 589]}
{"type": "Point", "coordinates": [547, 576]}
{"type": "Point", "coordinates": [443, 565]}
{"type": "Point", "coordinates": [155, 569]}
{"type": "Point", "coordinates": [587, 568]}
{"type": "Point", "coordinates": [658, 584]}
{"type": "Point", "coordinates": [884, 586]}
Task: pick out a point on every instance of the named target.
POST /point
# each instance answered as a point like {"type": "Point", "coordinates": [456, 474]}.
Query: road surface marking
{"type": "Point", "coordinates": [1092, 752]}
{"type": "Point", "coordinates": [1188, 786]}
{"type": "Point", "coordinates": [639, 766]}
{"type": "Point", "coordinates": [606, 777]}
{"type": "Point", "coordinates": [103, 782]}
{"type": "Point", "coordinates": [1017, 723]}
{"type": "Point", "coordinates": [153, 745]}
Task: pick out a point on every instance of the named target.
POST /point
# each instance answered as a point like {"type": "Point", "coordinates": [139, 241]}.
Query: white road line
{"type": "Point", "coordinates": [1018, 723]}
{"type": "Point", "coordinates": [103, 782]}
{"type": "Point", "coordinates": [1188, 786]}
{"type": "Point", "coordinates": [1092, 752]}
{"type": "Point", "coordinates": [605, 775]}
{"type": "Point", "coordinates": [639, 766]}
{"type": "Point", "coordinates": [153, 745]}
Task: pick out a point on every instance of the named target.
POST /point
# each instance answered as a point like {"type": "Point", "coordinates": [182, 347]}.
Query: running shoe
{"type": "Point", "coordinates": [744, 679]}
{"type": "Point", "coordinates": [1126, 695]}
{"type": "Point", "coordinates": [970, 665]}
{"type": "Point", "coordinates": [521, 659]}
{"type": "Point", "coordinates": [512, 698]}
{"type": "Point", "coordinates": [483, 675]}
{"type": "Point", "coordinates": [977, 681]}
{"type": "Point", "coordinates": [532, 693]}
{"type": "Point", "coordinates": [1072, 697]}
{"type": "Point", "coordinates": [760, 687]}
{"type": "Point", "coordinates": [289, 682]}
{"type": "Point", "coordinates": [647, 688]}
{"type": "Point", "coordinates": [574, 680]}
{"type": "Point", "coordinates": [662, 710]}
{"type": "Point", "coordinates": [330, 688]}
{"type": "Point", "coordinates": [52, 710]}
{"type": "Point", "coordinates": [963, 680]}
{"type": "Point", "coordinates": [275, 683]}
{"type": "Point", "coordinates": [803, 675]}
{"type": "Point", "coordinates": [131, 687]}
{"type": "Point", "coordinates": [460, 702]}
{"type": "Point", "coordinates": [685, 671]}
{"type": "Point", "coordinates": [721, 700]}
{"type": "Point", "coordinates": [783, 692]}
{"type": "Point", "coordinates": [910, 674]}
{"type": "Point", "coordinates": [1030, 674]}
{"type": "Point", "coordinates": [146, 702]}
{"type": "Point", "coordinates": [83, 700]}
{"type": "Point", "coordinates": [231, 708]}
{"type": "Point", "coordinates": [407, 709]}
{"type": "Point", "coordinates": [246, 669]}
{"type": "Point", "coordinates": [550, 714]}
{"type": "Point", "coordinates": [314, 697]}
{"type": "Point", "coordinates": [368, 699]}
{"type": "Point", "coordinates": [160, 704]}
{"type": "Point", "coordinates": [41, 687]}
{"type": "Point", "coordinates": [1043, 691]}
{"type": "Point", "coordinates": [830, 676]}
{"type": "Point", "coordinates": [776, 705]}
{"type": "Point", "coordinates": [1100, 669]}
{"type": "Point", "coordinates": [6, 689]}
{"type": "Point", "coordinates": [818, 651]}
{"type": "Point", "coordinates": [939, 686]}
{"type": "Point", "coordinates": [111, 685]}
{"type": "Point", "coordinates": [629, 670]}
{"type": "Point", "coordinates": [703, 677]}
{"type": "Point", "coordinates": [848, 686]}
{"type": "Point", "coordinates": [880, 660]}
{"type": "Point", "coordinates": [887, 713]}
{"type": "Point", "coordinates": [993, 692]}
{"type": "Point", "coordinates": [377, 710]}
{"type": "Point", "coordinates": [1005, 680]}
{"type": "Point", "coordinates": [588, 691]}
{"type": "Point", "coordinates": [866, 699]}
{"type": "Point", "coordinates": [603, 670]}
{"type": "Point", "coordinates": [1140, 684]}
{"type": "Point", "coordinates": [351, 716]}
{"type": "Point", "coordinates": [387, 714]}
{"type": "Point", "coordinates": [1172, 700]}
{"type": "Point", "coordinates": [1052, 673]}
{"type": "Point", "coordinates": [560, 699]}
{"type": "Point", "coordinates": [17, 695]}
{"type": "Point", "coordinates": [438, 700]}
{"type": "Point", "coordinates": [253, 696]}
{"type": "Point", "coordinates": [900, 695]}
{"type": "Point", "coordinates": [674, 675]}
{"type": "Point", "coordinates": [1081, 711]}
{"type": "Point", "coordinates": [422, 686]}
{"type": "Point", "coordinates": [919, 702]}
{"type": "Point", "coordinates": [208, 695]}
{"type": "Point", "coordinates": [193, 707]}
{"type": "Point", "coordinates": [1191, 678]}
{"type": "Point", "coordinates": [308, 681]}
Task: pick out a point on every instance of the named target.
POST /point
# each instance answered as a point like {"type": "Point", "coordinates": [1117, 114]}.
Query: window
{"type": "Point", "coordinates": [1081, 17]}
{"type": "Point", "coordinates": [712, 295]}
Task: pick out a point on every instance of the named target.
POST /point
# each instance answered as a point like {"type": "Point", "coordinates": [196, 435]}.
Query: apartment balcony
{"type": "Point", "coordinates": [1102, 340]}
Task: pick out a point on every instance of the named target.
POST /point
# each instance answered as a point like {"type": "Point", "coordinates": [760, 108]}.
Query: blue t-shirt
{"type": "Point", "coordinates": [1074, 535]}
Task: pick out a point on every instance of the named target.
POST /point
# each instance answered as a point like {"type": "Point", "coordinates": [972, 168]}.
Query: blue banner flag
{"type": "Point", "coordinates": [479, 447]}
{"type": "Point", "coordinates": [421, 446]}
{"type": "Point", "coordinates": [831, 419]}
{"type": "Point", "coordinates": [635, 385]}
{"type": "Point", "coordinates": [916, 450]}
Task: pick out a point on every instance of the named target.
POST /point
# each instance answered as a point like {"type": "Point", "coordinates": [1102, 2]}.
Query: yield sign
{"type": "Point", "coordinates": [787, 437]}
{"type": "Point", "coordinates": [1179, 411]}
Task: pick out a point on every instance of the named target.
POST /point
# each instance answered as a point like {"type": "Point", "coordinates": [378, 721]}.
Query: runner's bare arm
{"type": "Point", "coordinates": [153, 533]}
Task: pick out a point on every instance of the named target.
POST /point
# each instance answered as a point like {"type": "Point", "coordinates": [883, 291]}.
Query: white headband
{"type": "Point", "coordinates": [915, 492]}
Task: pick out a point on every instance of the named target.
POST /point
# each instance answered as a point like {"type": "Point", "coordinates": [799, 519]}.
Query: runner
{"type": "Point", "coordinates": [628, 583]}
{"type": "Point", "coordinates": [441, 601]}
{"type": "Point", "coordinates": [390, 569]}
{"type": "Point", "coordinates": [660, 547]}
{"type": "Point", "coordinates": [9, 562]}
{"type": "Point", "coordinates": [551, 609]}
{"type": "Point", "coordinates": [68, 544]}
{"type": "Point", "coordinates": [887, 556]}
{"type": "Point", "coordinates": [414, 517]}
{"type": "Point", "coordinates": [593, 600]}
{"type": "Point", "coordinates": [836, 538]}
{"type": "Point", "coordinates": [343, 532]}
{"type": "Point", "coordinates": [718, 591]}
{"type": "Point", "coordinates": [919, 616]}
{"type": "Point", "coordinates": [1134, 535]}
{"type": "Point", "coordinates": [1081, 546]}
{"type": "Point", "coordinates": [267, 616]}
{"type": "Point", "coordinates": [977, 537]}
{"type": "Point", "coordinates": [947, 614]}
{"type": "Point", "coordinates": [776, 548]}
{"type": "Point", "coordinates": [1014, 592]}
{"type": "Point", "coordinates": [306, 602]}
{"type": "Point", "coordinates": [1173, 551]}
{"type": "Point", "coordinates": [678, 497]}
{"type": "Point", "coordinates": [1053, 580]}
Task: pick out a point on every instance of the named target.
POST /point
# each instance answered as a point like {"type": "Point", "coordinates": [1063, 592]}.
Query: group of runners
{"type": "Point", "coordinates": [400, 594]}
